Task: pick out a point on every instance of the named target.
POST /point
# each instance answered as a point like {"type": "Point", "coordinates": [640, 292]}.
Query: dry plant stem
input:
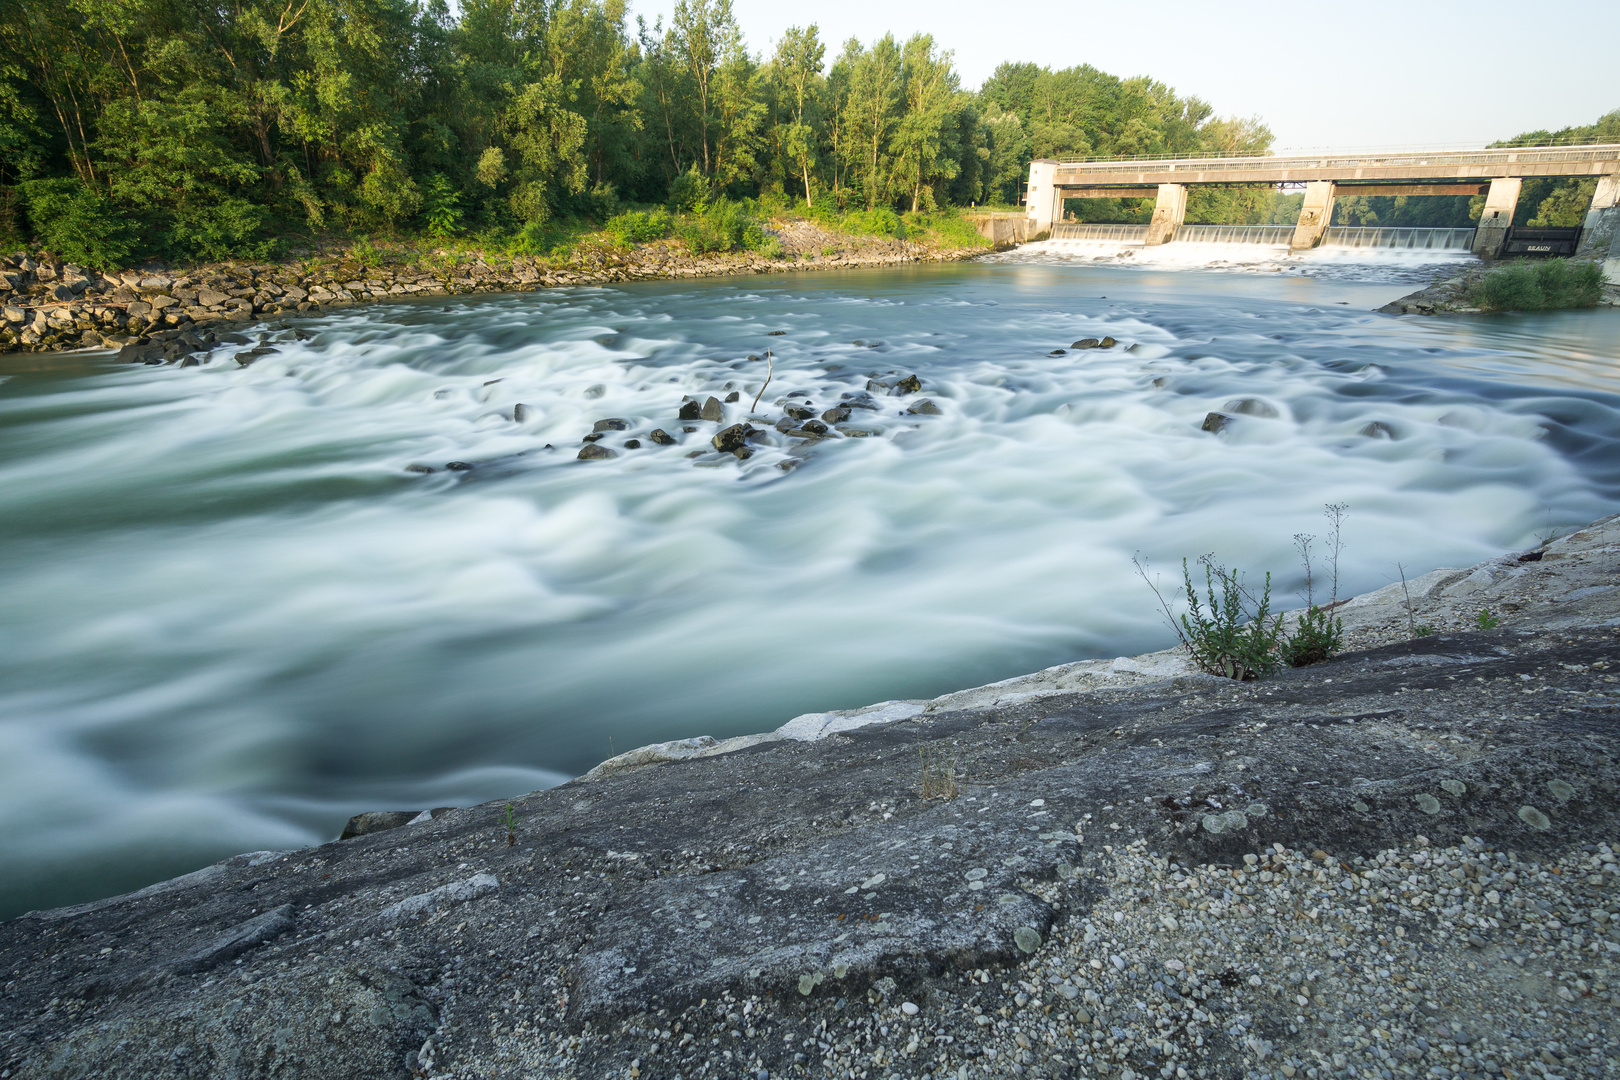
{"type": "Point", "coordinates": [1411, 623]}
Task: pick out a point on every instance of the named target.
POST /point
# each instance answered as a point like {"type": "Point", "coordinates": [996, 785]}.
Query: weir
{"type": "Point", "coordinates": [1128, 234]}
{"type": "Point", "coordinates": [1399, 239]}
{"type": "Point", "coordinates": [1498, 173]}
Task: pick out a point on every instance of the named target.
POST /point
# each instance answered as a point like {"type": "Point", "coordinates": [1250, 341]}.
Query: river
{"type": "Point", "coordinates": [230, 616]}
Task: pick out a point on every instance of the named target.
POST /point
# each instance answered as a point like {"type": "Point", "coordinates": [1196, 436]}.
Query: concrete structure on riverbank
{"type": "Point", "coordinates": [1496, 174]}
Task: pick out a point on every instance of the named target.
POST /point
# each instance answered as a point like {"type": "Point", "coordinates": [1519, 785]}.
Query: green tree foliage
{"type": "Point", "coordinates": [131, 128]}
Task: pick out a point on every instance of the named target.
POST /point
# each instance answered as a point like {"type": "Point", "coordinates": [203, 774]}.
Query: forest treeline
{"type": "Point", "coordinates": [197, 130]}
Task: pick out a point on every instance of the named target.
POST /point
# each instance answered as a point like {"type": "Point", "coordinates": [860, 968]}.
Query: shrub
{"type": "Point", "coordinates": [687, 191]}
{"type": "Point", "coordinates": [639, 226]}
{"type": "Point", "coordinates": [1553, 283]}
{"type": "Point", "coordinates": [722, 225]}
{"type": "Point", "coordinates": [443, 207]}
{"type": "Point", "coordinates": [229, 229]}
{"type": "Point", "coordinates": [79, 223]}
{"type": "Point", "coordinates": [878, 221]}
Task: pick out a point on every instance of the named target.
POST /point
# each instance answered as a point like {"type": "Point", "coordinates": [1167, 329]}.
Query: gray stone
{"type": "Point", "coordinates": [374, 821]}
{"type": "Point", "coordinates": [661, 437]}
{"type": "Point", "coordinates": [611, 424]}
{"type": "Point", "coordinates": [924, 408]}
{"type": "Point", "coordinates": [1215, 422]}
{"type": "Point", "coordinates": [732, 439]}
{"type": "Point", "coordinates": [713, 411]}
{"type": "Point", "coordinates": [1027, 938]}
{"type": "Point", "coordinates": [595, 452]}
{"type": "Point", "coordinates": [1250, 407]}
{"type": "Point", "coordinates": [1377, 429]}
{"type": "Point", "coordinates": [1534, 818]}
{"type": "Point", "coordinates": [1086, 343]}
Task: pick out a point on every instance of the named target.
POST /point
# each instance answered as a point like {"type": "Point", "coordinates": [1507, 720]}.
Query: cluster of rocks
{"type": "Point", "coordinates": [1217, 422]}
{"type": "Point", "coordinates": [46, 304]}
{"type": "Point", "coordinates": [731, 435]}
{"type": "Point", "coordinates": [1401, 863]}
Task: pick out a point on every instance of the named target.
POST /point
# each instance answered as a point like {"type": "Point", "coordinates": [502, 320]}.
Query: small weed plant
{"type": "Point", "coordinates": [509, 819]}
{"type": "Point", "coordinates": [1231, 630]}
{"type": "Point", "coordinates": [939, 776]}
{"type": "Point", "coordinates": [1485, 620]}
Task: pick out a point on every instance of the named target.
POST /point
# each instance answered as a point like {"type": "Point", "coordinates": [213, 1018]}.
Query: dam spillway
{"type": "Point", "coordinates": [1396, 239]}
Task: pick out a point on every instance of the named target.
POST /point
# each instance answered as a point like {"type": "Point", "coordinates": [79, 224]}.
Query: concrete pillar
{"type": "Point", "coordinates": [1041, 203]}
{"type": "Point", "coordinates": [1314, 215]}
{"type": "Point", "coordinates": [1497, 217]}
{"type": "Point", "coordinates": [1169, 211]}
{"type": "Point", "coordinates": [1600, 235]}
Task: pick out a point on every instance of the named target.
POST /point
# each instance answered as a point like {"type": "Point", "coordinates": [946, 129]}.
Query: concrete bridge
{"type": "Point", "coordinates": [1496, 174]}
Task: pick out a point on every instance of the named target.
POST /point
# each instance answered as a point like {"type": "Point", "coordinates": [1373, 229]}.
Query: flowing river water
{"type": "Point", "coordinates": [230, 616]}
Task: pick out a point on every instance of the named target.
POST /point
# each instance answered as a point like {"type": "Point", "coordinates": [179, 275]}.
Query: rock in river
{"type": "Point", "coordinates": [661, 437]}
{"type": "Point", "coordinates": [1216, 422]}
{"type": "Point", "coordinates": [612, 424]}
{"type": "Point", "coordinates": [595, 452]}
{"type": "Point", "coordinates": [731, 439]}
{"type": "Point", "coordinates": [924, 408]}
{"type": "Point", "coordinates": [712, 410]}
{"type": "Point", "coordinates": [691, 410]}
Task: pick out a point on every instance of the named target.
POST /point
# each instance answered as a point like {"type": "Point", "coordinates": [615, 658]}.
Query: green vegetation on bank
{"type": "Point", "coordinates": [139, 128]}
{"type": "Point", "coordinates": [1539, 285]}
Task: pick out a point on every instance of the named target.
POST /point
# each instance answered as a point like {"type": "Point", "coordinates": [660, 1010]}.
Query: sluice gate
{"type": "Point", "coordinates": [1125, 234]}
{"type": "Point", "coordinates": [1399, 239]}
{"type": "Point", "coordinates": [1233, 234]}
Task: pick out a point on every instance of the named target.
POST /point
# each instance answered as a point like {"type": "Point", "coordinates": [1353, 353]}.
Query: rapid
{"type": "Point", "coordinates": [231, 615]}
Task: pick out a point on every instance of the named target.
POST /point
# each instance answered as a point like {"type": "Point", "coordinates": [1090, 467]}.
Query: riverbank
{"type": "Point", "coordinates": [1455, 295]}
{"type": "Point", "coordinates": [1402, 861]}
{"type": "Point", "coordinates": [48, 305]}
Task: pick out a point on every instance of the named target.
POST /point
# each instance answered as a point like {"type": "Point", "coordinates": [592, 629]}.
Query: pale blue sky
{"type": "Point", "coordinates": [1376, 73]}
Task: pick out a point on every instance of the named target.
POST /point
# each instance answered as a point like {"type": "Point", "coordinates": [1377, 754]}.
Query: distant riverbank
{"type": "Point", "coordinates": [46, 305]}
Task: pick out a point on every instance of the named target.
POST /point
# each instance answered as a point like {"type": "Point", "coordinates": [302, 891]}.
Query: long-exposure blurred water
{"type": "Point", "coordinates": [230, 617]}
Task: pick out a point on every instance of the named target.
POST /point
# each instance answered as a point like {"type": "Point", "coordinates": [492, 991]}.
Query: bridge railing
{"type": "Point", "coordinates": [1340, 153]}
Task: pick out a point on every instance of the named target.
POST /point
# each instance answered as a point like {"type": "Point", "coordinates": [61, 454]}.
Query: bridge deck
{"type": "Point", "coordinates": [1367, 168]}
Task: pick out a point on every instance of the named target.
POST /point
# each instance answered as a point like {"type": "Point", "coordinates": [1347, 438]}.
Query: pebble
{"type": "Point", "coordinates": [1297, 964]}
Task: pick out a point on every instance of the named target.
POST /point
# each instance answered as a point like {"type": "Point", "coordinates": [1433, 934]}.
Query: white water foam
{"type": "Point", "coordinates": [1332, 263]}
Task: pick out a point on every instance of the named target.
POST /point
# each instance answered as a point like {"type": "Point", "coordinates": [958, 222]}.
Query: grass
{"type": "Point", "coordinates": [1540, 285]}
{"type": "Point", "coordinates": [939, 776]}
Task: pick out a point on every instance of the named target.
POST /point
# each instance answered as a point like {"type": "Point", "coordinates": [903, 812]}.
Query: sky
{"type": "Point", "coordinates": [1341, 76]}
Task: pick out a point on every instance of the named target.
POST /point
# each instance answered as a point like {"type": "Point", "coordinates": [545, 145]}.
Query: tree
{"type": "Point", "coordinates": [797, 67]}
{"type": "Point", "coordinates": [704, 36]}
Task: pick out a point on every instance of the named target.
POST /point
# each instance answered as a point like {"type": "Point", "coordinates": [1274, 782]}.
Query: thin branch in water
{"type": "Point", "coordinates": [770, 369]}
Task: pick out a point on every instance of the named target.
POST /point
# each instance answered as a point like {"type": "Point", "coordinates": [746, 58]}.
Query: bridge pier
{"type": "Point", "coordinates": [1169, 211]}
{"type": "Point", "coordinates": [1314, 216]}
{"type": "Point", "coordinates": [1497, 217]}
{"type": "Point", "coordinates": [1600, 236]}
{"type": "Point", "coordinates": [1042, 199]}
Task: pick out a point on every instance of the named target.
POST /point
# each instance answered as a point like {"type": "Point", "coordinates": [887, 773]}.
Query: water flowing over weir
{"type": "Point", "coordinates": [1400, 239]}
{"type": "Point", "coordinates": [231, 616]}
{"type": "Point", "coordinates": [1413, 239]}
